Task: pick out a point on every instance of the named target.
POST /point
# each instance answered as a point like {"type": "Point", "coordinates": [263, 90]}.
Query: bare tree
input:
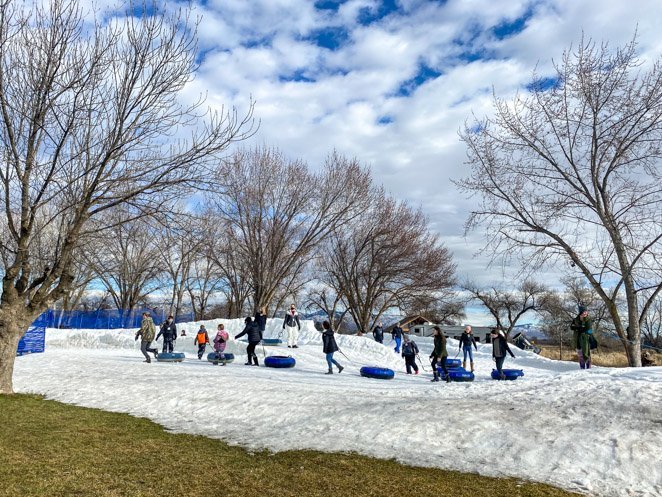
{"type": "Point", "coordinates": [179, 240]}
{"type": "Point", "coordinates": [571, 172]}
{"type": "Point", "coordinates": [90, 118]}
{"type": "Point", "coordinates": [328, 301]}
{"type": "Point", "coordinates": [278, 211]}
{"type": "Point", "coordinates": [224, 251]}
{"type": "Point", "coordinates": [651, 326]}
{"type": "Point", "coordinates": [443, 308]}
{"type": "Point", "coordinates": [386, 258]}
{"type": "Point", "coordinates": [507, 305]}
{"type": "Point", "coordinates": [203, 283]}
{"type": "Point", "coordinates": [125, 259]}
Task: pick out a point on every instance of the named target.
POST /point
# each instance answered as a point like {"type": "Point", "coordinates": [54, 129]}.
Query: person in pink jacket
{"type": "Point", "coordinates": [220, 340]}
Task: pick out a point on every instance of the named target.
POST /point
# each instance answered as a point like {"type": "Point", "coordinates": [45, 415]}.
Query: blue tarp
{"type": "Point", "coordinates": [33, 341]}
{"type": "Point", "coordinates": [104, 319]}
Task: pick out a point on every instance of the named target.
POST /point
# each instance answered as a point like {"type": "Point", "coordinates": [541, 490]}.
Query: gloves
{"type": "Point", "coordinates": [136, 339]}
{"type": "Point", "coordinates": [235, 337]}
{"type": "Point", "coordinates": [403, 355]}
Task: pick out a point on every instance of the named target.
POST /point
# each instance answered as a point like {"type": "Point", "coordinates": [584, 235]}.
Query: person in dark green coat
{"type": "Point", "coordinates": [439, 354]}
{"type": "Point", "coordinates": [581, 336]}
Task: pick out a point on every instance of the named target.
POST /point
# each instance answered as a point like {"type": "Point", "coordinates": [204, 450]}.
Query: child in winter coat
{"type": "Point", "coordinates": [201, 340]}
{"type": "Point", "coordinates": [220, 341]}
{"type": "Point", "coordinates": [409, 351]}
{"type": "Point", "coordinates": [439, 354]}
{"type": "Point", "coordinates": [169, 332]}
{"type": "Point", "coordinates": [499, 350]}
{"type": "Point", "coordinates": [329, 347]}
{"type": "Point", "coordinates": [466, 341]}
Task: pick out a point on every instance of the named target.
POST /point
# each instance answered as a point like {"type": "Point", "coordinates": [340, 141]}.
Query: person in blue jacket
{"type": "Point", "coordinates": [329, 346]}
{"type": "Point", "coordinates": [466, 341]}
{"type": "Point", "coordinates": [252, 329]}
{"type": "Point", "coordinates": [396, 334]}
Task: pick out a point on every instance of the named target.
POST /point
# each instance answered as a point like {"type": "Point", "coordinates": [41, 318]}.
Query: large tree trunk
{"type": "Point", "coordinates": [11, 331]}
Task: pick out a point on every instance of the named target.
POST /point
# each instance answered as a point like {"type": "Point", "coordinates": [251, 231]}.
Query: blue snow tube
{"type": "Point", "coordinates": [279, 361]}
{"type": "Point", "coordinates": [511, 374]}
{"type": "Point", "coordinates": [271, 342]}
{"type": "Point", "coordinates": [457, 374]}
{"type": "Point", "coordinates": [171, 357]}
{"type": "Point", "coordinates": [453, 363]}
{"type": "Point", "coordinates": [377, 372]}
{"type": "Point", "coordinates": [212, 357]}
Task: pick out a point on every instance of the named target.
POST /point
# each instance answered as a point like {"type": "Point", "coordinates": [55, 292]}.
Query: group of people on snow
{"type": "Point", "coordinates": [254, 331]}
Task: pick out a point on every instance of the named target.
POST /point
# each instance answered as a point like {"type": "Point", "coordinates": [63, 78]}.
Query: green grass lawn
{"type": "Point", "coordinates": [53, 449]}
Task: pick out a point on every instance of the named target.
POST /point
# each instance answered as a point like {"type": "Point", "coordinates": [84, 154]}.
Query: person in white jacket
{"type": "Point", "coordinates": [293, 325]}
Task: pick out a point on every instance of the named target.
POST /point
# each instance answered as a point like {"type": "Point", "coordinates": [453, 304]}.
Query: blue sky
{"type": "Point", "coordinates": [392, 82]}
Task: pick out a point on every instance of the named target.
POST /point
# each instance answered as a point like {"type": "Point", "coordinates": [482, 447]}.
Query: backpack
{"type": "Point", "coordinates": [592, 342]}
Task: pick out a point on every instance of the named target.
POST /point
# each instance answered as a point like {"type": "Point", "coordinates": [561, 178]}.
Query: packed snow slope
{"type": "Point", "coordinates": [598, 431]}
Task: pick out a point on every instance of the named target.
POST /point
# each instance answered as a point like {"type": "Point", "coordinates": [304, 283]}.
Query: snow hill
{"type": "Point", "coordinates": [598, 432]}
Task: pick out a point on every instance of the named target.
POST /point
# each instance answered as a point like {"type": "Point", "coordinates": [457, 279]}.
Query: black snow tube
{"type": "Point", "coordinates": [171, 357]}
{"type": "Point", "coordinates": [377, 373]}
{"type": "Point", "coordinates": [511, 374]}
{"type": "Point", "coordinates": [212, 357]}
{"type": "Point", "coordinates": [271, 342]}
{"type": "Point", "coordinates": [457, 374]}
{"type": "Point", "coordinates": [279, 361]}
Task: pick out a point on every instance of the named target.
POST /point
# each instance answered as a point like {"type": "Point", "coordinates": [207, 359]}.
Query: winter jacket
{"type": "Point", "coordinates": [466, 339]}
{"type": "Point", "coordinates": [409, 348]}
{"type": "Point", "coordinates": [168, 330]}
{"type": "Point", "coordinates": [439, 350]}
{"type": "Point", "coordinates": [378, 333]}
{"type": "Point", "coordinates": [253, 332]}
{"type": "Point", "coordinates": [201, 338]}
{"type": "Point", "coordinates": [147, 330]}
{"type": "Point", "coordinates": [396, 332]}
{"type": "Point", "coordinates": [581, 329]}
{"type": "Point", "coordinates": [500, 346]}
{"type": "Point", "coordinates": [261, 320]}
{"type": "Point", "coordinates": [329, 342]}
{"type": "Point", "coordinates": [292, 319]}
{"type": "Point", "coordinates": [220, 341]}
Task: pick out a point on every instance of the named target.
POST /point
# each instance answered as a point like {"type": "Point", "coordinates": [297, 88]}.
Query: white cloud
{"type": "Point", "coordinates": [415, 151]}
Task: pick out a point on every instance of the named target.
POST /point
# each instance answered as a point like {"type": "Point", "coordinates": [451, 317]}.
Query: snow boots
{"type": "Point", "coordinates": [464, 364]}
{"type": "Point", "coordinates": [472, 366]}
{"type": "Point", "coordinates": [330, 371]}
{"type": "Point", "coordinates": [255, 363]}
{"type": "Point", "coordinates": [340, 368]}
{"type": "Point", "coordinates": [436, 376]}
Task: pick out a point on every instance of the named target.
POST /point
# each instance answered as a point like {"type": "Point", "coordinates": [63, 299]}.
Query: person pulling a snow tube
{"type": "Point", "coordinates": [201, 340]}
{"type": "Point", "coordinates": [146, 334]}
{"type": "Point", "coordinates": [279, 361]}
{"type": "Point", "coordinates": [409, 351]}
{"type": "Point", "coordinates": [507, 374]}
{"type": "Point", "coordinates": [377, 373]}
{"type": "Point", "coordinates": [251, 329]}
{"type": "Point", "coordinates": [439, 354]}
{"type": "Point", "coordinates": [499, 350]}
{"type": "Point", "coordinates": [329, 347]}
{"type": "Point", "coordinates": [220, 341]}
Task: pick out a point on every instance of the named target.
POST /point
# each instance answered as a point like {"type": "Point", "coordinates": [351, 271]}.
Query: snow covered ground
{"type": "Point", "coordinates": [597, 431]}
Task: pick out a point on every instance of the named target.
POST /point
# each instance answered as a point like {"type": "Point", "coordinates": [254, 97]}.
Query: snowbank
{"type": "Point", "coordinates": [597, 431]}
